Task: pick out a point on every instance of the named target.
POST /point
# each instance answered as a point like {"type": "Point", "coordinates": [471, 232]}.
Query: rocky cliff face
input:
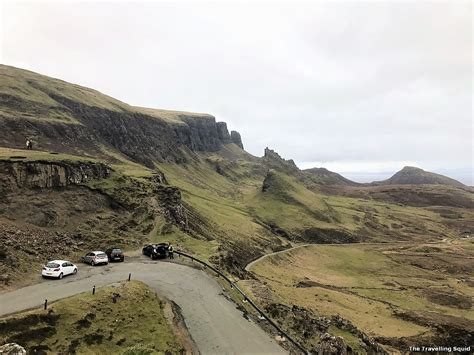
{"type": "Point", "coordinates": [38, 174]}
{"type": "Point", "coordinates": [140, 136]}
{"type": "Point", "coordinates": [236, 139]}
{"type": "Point", "coordinates": [223, 133]}
{"type": "Point", "coordinates": [169, 198]}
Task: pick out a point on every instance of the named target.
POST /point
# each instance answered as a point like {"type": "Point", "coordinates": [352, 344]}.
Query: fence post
{"type": "Point", "coordinates": [45, 304]}
{"type": "Point", "coordinates": [129, 276]}
{"type": "Point", "coordinates": [93, 290]}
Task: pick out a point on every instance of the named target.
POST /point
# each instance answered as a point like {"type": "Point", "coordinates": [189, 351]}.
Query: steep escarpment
{"type": "Point", "coordinates": [63, 117]}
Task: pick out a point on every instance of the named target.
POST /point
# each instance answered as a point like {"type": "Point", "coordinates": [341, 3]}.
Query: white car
{"type": "Point", "coordinates": [58, 269]}
{"type": "Point", "coordinates": [96, 258]}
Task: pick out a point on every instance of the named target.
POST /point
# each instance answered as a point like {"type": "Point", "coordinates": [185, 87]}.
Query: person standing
{"type": "Point", "coordinates": [171, 252]}
{"type": "Point", "coordinates": [28, 144]}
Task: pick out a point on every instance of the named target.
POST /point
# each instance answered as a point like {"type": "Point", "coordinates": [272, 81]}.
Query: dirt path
{"type": "Point", "coordinates": [214, 322]}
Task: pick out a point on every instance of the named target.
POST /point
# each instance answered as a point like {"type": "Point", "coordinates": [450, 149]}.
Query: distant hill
{"type": "Point", "coordinates": [330, 178]}
{"type": "Point", "coordinates": [410, 175]}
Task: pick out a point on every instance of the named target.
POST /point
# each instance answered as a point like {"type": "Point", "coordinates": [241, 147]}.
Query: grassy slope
{"type": "Point", "coordinates": [137, 323]}
{"type": "Point", "coordinates": [34, 90]}
{"type": "Point", "coordinates": [295, 208]}
{"type": "Point", "coordinates": [235, 204]}
{"type": "Point", "coordinates": [219, 200]}
{"type": "Point", "coordinates": [364, 283]}
{"type": "Point", "coordinates": [34, 155]}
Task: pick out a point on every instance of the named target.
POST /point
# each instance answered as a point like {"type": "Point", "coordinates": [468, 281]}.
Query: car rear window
{"type": "Point", "coordinates": [102, 255]}
{"type": "Point", "coordinates": [116, 250]}
{"type": "Point", "coordinates": [52, 265]}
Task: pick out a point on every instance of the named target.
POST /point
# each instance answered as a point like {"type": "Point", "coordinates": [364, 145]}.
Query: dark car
{"type": "Point", "coordinates": [156, 251]}
{"type": "Point", "coordinates": [115, 254]}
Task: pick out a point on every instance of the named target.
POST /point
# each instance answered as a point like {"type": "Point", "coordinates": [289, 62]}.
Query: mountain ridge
{"type": "Point", "coordinates": [53, 113]}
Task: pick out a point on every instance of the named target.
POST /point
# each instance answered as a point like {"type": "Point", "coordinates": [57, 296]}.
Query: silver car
{"type": "Point", "coordinates": [95, 258]}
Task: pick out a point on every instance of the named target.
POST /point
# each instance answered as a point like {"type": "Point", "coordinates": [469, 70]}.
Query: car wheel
{"type": "Point", "coordinates": [121, 260]}
{"type": "Point", "coordinates": [74, 272]}
{"type": "Point", "coordinates": [60, 276]}
{"type": "Point", "coordinates": [92, 263]}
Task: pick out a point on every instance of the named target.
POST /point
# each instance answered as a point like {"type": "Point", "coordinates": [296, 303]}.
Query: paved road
{"type": "Point", "coordinates": [252, 263]}
{"type": "Point", "coordinates": [214, 323]}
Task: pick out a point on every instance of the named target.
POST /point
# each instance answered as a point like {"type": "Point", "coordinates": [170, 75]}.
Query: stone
{"type": "Point", "coordinates": [12, 349]}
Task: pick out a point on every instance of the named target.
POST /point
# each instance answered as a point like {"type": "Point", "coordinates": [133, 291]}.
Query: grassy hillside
{"type": "Point", "coordinates": [410, 175]}
{"type": "Point", "coordinates": [139, 322]}
{"type": "Point", "coordinates": [33, 96]}
{"type": "Point", "coordinates": [400, 294]}
{"type": "Point", "coordinates": [327, 177]}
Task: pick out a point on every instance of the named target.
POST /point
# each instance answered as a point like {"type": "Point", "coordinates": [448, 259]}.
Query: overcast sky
{"type": "Point", "coordinates": [361, 88]}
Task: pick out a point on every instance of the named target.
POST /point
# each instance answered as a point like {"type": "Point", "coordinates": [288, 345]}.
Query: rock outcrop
{"type": "Point", "coordinates": [43, 174]}
{"type": "Point", "coordinates": [223, 133]}
{"type": "Point", "coordinates": [274, 161]}
{"type": "Point", "coordinates": [313, 331]}
{"type": "Point", "coordinates": [169, 198]}
{"type": "Point", "coordinates": [236, 139]}
{"type": "Point", "coordinates": [12, 349]}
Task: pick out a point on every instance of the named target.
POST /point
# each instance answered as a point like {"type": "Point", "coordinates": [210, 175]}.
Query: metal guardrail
{"type": "Point", "coordinates": [233, 285]}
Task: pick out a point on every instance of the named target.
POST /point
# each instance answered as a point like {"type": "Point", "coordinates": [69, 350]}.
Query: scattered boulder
{"type": "Point", "coordinates": [12, 349]}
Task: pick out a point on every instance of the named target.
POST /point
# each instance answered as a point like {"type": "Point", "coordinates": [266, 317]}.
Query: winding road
{"type": "Point", "coordinates": [252, 263]}
{"type": "Point", "coordinates": [214, 322]}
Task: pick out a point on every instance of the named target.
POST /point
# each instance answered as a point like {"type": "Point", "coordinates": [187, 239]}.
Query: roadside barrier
{"type": "Point", "coordinates": [245, 299]}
